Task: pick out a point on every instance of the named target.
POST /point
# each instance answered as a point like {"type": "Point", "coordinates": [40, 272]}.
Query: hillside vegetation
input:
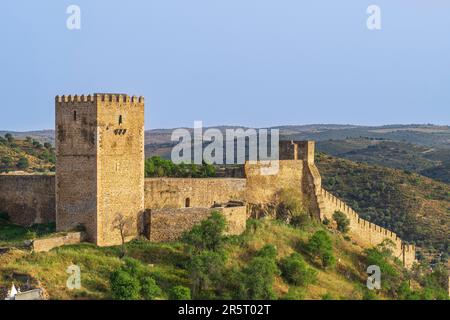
{"type": "Point", "coordinates": [271, 260]}
{"type": "Point", "coordinates": [431, 162]}
{"type": "Point", "coordinates": [27, 155]}
{"type": "Point", "coordinates": [415, 207]}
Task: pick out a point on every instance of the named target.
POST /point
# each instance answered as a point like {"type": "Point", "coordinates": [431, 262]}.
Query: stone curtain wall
{"type": "Point", "coordinates": [364, 232]}
{"type": "Point", "coordinates": [169, 224]}
{"type": "Point", "coordinates": [176, 192]}
{"type": "Point", "coordinates": [263, 189]}
{"type": "Point", "coordinates": [47, 244]}
{"type": "Point", "coordinates": [28, 199]}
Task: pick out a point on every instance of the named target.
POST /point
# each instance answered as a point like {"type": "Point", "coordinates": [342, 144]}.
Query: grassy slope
{"type": "Point", "coordinates": [166, 264]}
{"type": "Point", "coordinates": [37, 156]}
{"type": "Point", "coordinates": [416, 207]}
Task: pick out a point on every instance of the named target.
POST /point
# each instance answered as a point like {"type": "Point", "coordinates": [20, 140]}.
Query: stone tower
{"type": "Point", "coordinates": [100, 165]}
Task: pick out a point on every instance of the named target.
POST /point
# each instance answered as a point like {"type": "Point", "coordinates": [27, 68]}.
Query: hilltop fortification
{"type": "Point", "coordinates": [100, 180]}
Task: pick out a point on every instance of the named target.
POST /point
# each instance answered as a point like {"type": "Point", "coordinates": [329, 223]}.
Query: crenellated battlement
{"type": "Point", "coordinates": [100, 97]}
{"type": "Point", "coordinates": [366, 232]}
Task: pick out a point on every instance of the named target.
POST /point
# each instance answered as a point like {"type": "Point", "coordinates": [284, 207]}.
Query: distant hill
{"type": "Point", "coordinates": [428, 161]}
{"type": "Point", "coordinates": [425, 135]}
{"type": "Point", "coordinates": [415, 207]}
{"type": "Point", "coordinates": [27, 155]}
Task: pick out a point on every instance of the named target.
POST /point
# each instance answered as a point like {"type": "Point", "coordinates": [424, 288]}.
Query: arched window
{"type": "Point", "coordinates": [74, 116]}
{"type": "Point", "coordinates": [188, 202]}
{"type": "Point", "coordinates": [120, 120]}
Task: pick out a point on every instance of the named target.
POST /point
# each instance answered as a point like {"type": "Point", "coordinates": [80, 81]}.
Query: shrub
{"type": "Point", "coordinates": [124, 286]}
{"type": "Point", "coordinates": [149, 289]}
{"type": "Point", "coordinates": [327, 296]}
{"type": "Point", "coordinates": [343, 223]}
{"type": "Point", "coordinates": [132, 282]}
{"type": "Point", "coordinates": [320, 246]}
{"type": "Point", "coordinates": [208, 235]}
{"type": "Point", "coordinates": [258, 278]}
{"type": "Point", "coordinates": [295, 270]}
{"type": "Point", "coordinates": [206, 271]}
{"type": "Point", "coordinates": [268, 251]}
{"type": "Point", "coordinates": [9, 137]}
{"type": "Point", "coordinates": [180, 293]}
{"type": "Point", "coordinates": [23, 163]}
{"type": "Point", "coordinates": [391, 276]}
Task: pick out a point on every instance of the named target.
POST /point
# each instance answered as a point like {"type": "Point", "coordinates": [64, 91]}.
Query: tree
{"type": "Point", "coordinates": [295, 270]}
{"type": "Point", "coordinates": [343, 223]}
{"type": "Point", "coordinates": [9, 137]}
{"type": "Point", "coordinates": [320, 246]}
{"type": "Point", "coordinates": [149, 289]}
{"type": "Point", "coordinates": [124, 226]}
{"type": "Point", "coordinates": [206, 271]}
{"type": "Point", "coordinates": [259, 277]}
{"type": "Point", "coordinates": [23, 163]}
{"type": "Point", "coordinates": [208, 235]}
{"type": "Point", "coordinates": [180, 293]}
{"type": "Point", "coordinates": [124, 286]}
{"type": "Point", "coordinates": [132, 281]}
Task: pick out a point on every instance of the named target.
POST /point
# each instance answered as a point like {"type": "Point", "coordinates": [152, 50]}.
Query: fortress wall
{"type": "Point", "coordinates": [28, 199]}
{"type": "Point", "coordinates": [175, 192]}
{"type": "Point", "coordinates": [263, 188]}
{"type": "Point", "coordinates": [367, 234]}
{"type": "Point", "coordinates": [169, 224]}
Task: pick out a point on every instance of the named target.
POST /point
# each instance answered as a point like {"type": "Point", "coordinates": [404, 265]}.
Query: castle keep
{"type": "Point", "coordinates": [100, 180]}
{"type": "Point", "coordinates": [100, 167]}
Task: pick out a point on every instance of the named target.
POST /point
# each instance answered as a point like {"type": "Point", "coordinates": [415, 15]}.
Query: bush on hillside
{"type": "Point", "coordinates": [208, 235]}
{"type": "Point", "coordinates": [180, 293]}
{"type": "Point", "coordinates": [206, 272]}
{"type": "Point", "coordinates": [132, 281]}
{"type": "Point", "coordinates": [259, 276]}
{"type": "Point", "coordinates": [343, 223]}
{"type": "Point", "coordinates": [320, 246]}
{"type": "Point", "coordinates": [124, 286]}
{"type": "Point", "coordinates": [295, 270]}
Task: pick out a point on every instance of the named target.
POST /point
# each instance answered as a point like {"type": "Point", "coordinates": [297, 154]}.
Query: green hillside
{"type": "Point", "coordinates": [430, 162]}
{"type": "Point", "coordinates": [415, 207]}
{"type": "Point", "coordinates": [271, 260]}
{"type": "Point", "coordinates": [25, 155]}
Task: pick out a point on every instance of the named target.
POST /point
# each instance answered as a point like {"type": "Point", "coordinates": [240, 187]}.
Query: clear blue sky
{"type": "Point", "coordinates": [241, 62]}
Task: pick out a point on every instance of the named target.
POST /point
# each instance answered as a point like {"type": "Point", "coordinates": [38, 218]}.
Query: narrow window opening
{"type": "Point", "coordinates": [188, 202]}
{"type": "Point", "coordinates": [74, 116]}
{"type": "Point", "coordinates": [120, 120]}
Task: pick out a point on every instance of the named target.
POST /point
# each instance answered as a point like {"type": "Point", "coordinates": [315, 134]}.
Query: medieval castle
{"type": "Point", "coordinates": [100, 177]}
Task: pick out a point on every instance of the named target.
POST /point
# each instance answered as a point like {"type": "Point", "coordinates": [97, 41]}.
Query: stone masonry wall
{"type": "Point", "coordinates": [180, 192]}
{"type": "Point", "coordinates": [168, 224]}
{"type": "Point", "coordinates": [47, 244]}
{"type": "Point", "coordinates": [365, 233]}
{"type": "Point", "coordinates": [263, 189]}
{"type": "Point", "coordinates": [28, 199]}
{"type": "Point", "coordinates": [120, 166]}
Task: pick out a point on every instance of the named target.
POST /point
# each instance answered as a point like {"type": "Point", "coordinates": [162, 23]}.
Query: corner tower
{"type": "Point", "coordinates": [100, 165]}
